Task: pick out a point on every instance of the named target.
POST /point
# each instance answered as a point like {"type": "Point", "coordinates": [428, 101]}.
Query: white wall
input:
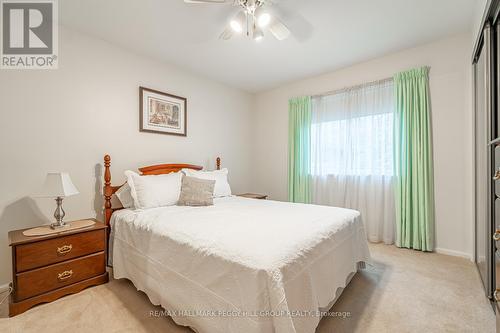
{"type": "Point", "coordinates": [450, 82]}
{"type": "Point", "coordinates": [67, 119]}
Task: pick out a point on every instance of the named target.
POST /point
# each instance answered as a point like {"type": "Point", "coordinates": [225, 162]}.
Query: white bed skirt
{"type": "Point", "coordinates": [295, 308]}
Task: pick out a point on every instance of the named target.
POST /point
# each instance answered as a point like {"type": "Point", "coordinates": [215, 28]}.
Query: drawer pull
{"type": "Point", "coordinates": [496, 176]}
{"type": "Point", "coordinates": [496, 236]}
{"type": "Point", "coordinates": [65, 275]}
{"type": "Point", "coordinates": [64, 249]}
{"type": "Point", "coordinates": [495, 295]}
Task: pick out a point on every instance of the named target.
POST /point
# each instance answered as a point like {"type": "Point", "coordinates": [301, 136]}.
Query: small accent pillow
{"type": "Point", "coordinates": [196, 192]}
{"type": "Point", "coordinates": [154, 190]}
{"type": "Point", "coordinates": [221, 189]}
{"type": "Point", "coordinates": [125, 197]}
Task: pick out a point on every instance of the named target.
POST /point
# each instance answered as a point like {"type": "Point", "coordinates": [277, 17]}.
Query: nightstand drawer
{"type": "Point", "coordinates": [41, 280]}
{"type": "Point", "coordinates": [43, 253]}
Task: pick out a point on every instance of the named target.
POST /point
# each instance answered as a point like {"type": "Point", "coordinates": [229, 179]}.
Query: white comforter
{"type": "Point", "coordinates": [242, 265]}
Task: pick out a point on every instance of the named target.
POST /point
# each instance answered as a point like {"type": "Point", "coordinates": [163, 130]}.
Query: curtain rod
{"type": "Point", "coordinates": [363, 85]}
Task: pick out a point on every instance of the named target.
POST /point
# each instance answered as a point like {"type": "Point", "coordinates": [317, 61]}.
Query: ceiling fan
{"type": "Point", "coordinates": [252, 19]}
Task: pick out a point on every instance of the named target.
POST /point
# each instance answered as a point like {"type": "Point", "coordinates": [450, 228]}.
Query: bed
{"type": "Point", "coordinates": [241, 265]}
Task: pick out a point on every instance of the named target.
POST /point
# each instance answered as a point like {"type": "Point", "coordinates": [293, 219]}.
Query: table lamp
{"type": "Point", "coordinates": [58, 185]}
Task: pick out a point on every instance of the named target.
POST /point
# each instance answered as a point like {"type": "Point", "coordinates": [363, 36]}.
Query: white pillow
{"type": "Point", "coordinates": [125, 196]}
{"type": "Point", "coordinates": [222, 188]}
{"type": "Point", "coordinates": [154, 190]}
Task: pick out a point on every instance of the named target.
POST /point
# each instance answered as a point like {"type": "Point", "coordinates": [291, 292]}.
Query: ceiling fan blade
{"type": "Point", "coordinates": [301, 27]}
{"type": "Point", "coordinates": [205, 1]}
{"type": "Point", "coordinates": [279, 30]}
{"type": "Point", "coordinates": [226, 34]}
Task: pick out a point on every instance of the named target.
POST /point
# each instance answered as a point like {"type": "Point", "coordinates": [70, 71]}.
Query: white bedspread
{"type": "Point", "coordinates": [242, 265]}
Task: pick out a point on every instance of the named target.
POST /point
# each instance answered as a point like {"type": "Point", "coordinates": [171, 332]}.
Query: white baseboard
{"type": "Point", "coordinates": [4, 287]}
{"type": "Point", "coordinates": [454, 253]}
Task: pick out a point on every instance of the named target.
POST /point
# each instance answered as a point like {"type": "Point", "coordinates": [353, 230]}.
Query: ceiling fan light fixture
{"type": "Point", "coordinates": [236, 26]}
{"type": "Point", "coordinates": [263, 20]}
{"type": "Point", "coordinates": [252, 19]}
{"type": "Point", "coordinates": [237, 22]}
{"type": "Point", "coordinates": [258, 34]}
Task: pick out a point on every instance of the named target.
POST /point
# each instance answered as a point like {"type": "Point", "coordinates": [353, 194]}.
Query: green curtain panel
{"type": "Point", "coordinates": [299, 143]}
{"type": "Point", "coordinates": [414, 190]}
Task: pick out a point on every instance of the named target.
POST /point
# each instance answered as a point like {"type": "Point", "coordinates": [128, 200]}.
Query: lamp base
{"type": "Point", "coordinates": [59, 215]}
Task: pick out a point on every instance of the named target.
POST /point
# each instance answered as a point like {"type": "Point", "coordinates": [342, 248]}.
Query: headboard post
{"type": "Point", "coordinates": [108, 191]}
{"type": "Point", "coordinates": [217, 163]}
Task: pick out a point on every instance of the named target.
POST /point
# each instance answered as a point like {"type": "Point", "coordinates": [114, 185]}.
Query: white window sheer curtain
{"type": "Point", "coordinates": [352, 154]}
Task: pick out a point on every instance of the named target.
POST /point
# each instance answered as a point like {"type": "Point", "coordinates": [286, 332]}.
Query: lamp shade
{"type": "Point", "coordinates": [57, 184]}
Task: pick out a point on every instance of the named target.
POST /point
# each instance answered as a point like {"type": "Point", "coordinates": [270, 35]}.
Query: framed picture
{"type": "Point", "coordinates": [162, 113]}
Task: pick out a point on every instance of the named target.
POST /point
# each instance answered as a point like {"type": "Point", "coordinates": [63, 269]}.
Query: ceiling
{"type": "Point", "coordinates": [327, 34]}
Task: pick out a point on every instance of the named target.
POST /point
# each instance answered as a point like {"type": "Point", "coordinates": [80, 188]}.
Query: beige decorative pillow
{"type": "Point", "coordinates": [196, 192]}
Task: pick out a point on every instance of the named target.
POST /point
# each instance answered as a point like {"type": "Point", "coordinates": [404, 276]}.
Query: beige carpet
{"type": "Point", "coordinates": [404, 291]}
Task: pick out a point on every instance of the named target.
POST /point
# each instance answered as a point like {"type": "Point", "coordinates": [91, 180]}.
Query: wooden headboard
{"type": "Point", "coordinates": [159, 169]}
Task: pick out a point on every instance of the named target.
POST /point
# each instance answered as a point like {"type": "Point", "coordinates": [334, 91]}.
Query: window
{"type": "Point", "coordinates": [352, 132]}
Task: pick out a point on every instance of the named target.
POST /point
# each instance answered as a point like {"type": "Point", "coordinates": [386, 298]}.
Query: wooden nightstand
{"type": "Point", "coordinates": [45, 268]}
{"type": "Point", "coordinates": [253, 196]}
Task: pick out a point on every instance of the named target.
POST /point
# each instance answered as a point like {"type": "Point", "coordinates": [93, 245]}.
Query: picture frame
{"type": "Point", "coordinates": [162, 113]}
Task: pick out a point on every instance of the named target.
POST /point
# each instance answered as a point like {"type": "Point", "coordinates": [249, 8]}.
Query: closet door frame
{"type": "Point", "coordinates": [486, 49]}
